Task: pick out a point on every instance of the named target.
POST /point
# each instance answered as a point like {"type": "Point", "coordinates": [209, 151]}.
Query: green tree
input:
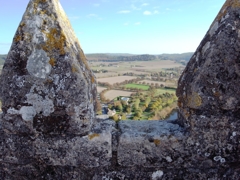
{"type": "Point", "coordinates": [136, 104]}
{"type": "Point", "coordinates": [147, 101]}
{"type": "Point", "coordinates": [124, 117]}
{"type": "Point", "coordinates": [129, 109]}
{"type": "Point", "coordinates": [152, 91]}
{"type": "Point", "coordinates": [135, 118]}
{"type": "Point", "coordinates": [115, 117]}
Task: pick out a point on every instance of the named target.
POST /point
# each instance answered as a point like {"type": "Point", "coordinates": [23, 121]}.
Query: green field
{"type": "Point", "coordinates": [143, 87]}
{"type": "Point", "coordinates": [162, 91]}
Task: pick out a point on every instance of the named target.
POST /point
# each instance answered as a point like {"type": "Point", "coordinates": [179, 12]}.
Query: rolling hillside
{"type": "Point", "coordinates": [133, 57]}
{"type": "Point", "coordinates": [112, 57]}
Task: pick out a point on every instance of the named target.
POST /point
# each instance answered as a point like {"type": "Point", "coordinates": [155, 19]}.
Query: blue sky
{"type": "Point", "coordinates": [126, 26]}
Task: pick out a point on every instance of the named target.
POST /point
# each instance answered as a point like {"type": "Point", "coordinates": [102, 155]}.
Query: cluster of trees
{"type": "Point", "coordinates": [102, 97]}
{"type": "Point", "coordinates": [100, 71]}
{"type": "Point", "coordinates": [148, 106]}
{"type": "Point", "coordinates": [151, 105]}
{"type": "Point", "coordinates": [144, 57]}
{"type": "Point", "coordinates": [122, 107]}
{"type": "Point", "coordinates": [156, 85]}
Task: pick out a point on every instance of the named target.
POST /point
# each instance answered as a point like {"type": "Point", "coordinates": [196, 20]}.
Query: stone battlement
{"type": "Point", "coordinates": [48, 128]}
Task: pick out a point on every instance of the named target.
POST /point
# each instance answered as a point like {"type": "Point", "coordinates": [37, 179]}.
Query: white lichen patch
{"type": "Point", "coordinates": [197, 58]}
{"type": "Point", "coordinates": [38, 64]}
{"type": "Point", "coordinates": [156, 175]}
{"type": "Point", "coordinates": [213, 28]}
{"type": "Point", "coordinates": [225, 17]}
{"type": "Point", "coordinates": [12, 111]}
{"type": "Point", "coordinates": [169, 159]}
{"type": "Point", "coordinates": [206, 47]}
{"type": "Point", "coordinates": [239, 33]}
{"type": "Point", "coordinates": [217, 158]}
{"type": "Point", "coordinates": [44, 106]}
{"type": "Point", "coordinates": [27, 112]}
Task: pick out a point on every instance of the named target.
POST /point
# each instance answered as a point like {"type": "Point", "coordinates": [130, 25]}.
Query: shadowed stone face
{"type": "Point", "coordinates": [46, 75]}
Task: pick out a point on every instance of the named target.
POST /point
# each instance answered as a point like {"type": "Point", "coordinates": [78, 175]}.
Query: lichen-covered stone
{"type": "Point", "coordinates": [46, 79]}
{"type": "Point", "coordinates": [210, 84]}
{"type": "Point", "coordinates": [148, 143]}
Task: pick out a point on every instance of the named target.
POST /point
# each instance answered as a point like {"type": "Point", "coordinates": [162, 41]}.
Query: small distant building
{"type": "Point", "coordinates": [125, 99]}
{"type": "Point", "coordinates": [111, 112]}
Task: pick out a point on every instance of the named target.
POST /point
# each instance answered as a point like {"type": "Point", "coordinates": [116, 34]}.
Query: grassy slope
{"type": "Point", "coordinates": [143, 87]}
{"type": "Point", "coordinates": [146, 87]}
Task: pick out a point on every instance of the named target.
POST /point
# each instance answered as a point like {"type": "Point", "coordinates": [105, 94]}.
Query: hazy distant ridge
{"type": "Point", "coordinates": [134, 57]}
{"type": "Point", "coordinates": [128, 57]}
{"type": "Point", "coordinates": [2, 59]}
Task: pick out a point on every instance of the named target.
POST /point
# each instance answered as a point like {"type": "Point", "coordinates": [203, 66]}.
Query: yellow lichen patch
{"type": "Point", "coordinates": [55, 41]}
{"type": "Point", "coordinates": [93, 79]}
{"type": "Point", "coordinates": [179, 103]}
{"type": "Point", "coordinates": [84, 60]}
{"type": "Point", "coordinates": [194, 100]}
{"type": "Point", "coordinates": [17, 38]}
{"type": "Point", "coordinates": [227, 4]}
{"type": "Point", "coordinates": [236, 4]}
{"type": "Point", "coordinates": [52, 61]}
{"type": "Point", "coordinates": [48, 81]}
{"type": "Point", "coordinates": [156, 142]}
{"type": "Point", "coordinates": [74, 69]}
{"type": "Point", "coordinates": [35, 4]}
{"type": "Point", "coordinates": [217, 94]}
{"type": "Point", "coordinates": [94, 135]}
{"type": "Point", "coordinates": [22, 24]}
{"type": "Point", "coordinates": [43, 12]}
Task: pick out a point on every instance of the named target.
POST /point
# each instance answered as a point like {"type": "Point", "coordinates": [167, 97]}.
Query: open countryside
{"type": "Point", "coordinates": [137, 90]}
{"type": "Point", "coordinates": [112, 94]}
{"type": "Point", "coordinates": [116, 79]}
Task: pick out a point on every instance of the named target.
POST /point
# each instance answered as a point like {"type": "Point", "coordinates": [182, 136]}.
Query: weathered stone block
{"type": "Point", "coordinates": [148, 143]}
{"type": "Point", "coordinates": [92, 150]}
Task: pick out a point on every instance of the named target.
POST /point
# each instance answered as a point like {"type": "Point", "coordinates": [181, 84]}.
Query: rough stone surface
{"type": "Point", "coordinates": [210, 83]}
{"type": "Point", "coordinates": [148, 143]}
{"type": "Point", "coordinates": [48, 130]}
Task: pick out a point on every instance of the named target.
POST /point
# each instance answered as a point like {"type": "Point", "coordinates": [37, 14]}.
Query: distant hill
{"type": "Point", "coordinates": [176, 57]}
{"type": "Point", "coordinates": [2, 58]}
{"type": "Point", "coordinates": [111, 57]}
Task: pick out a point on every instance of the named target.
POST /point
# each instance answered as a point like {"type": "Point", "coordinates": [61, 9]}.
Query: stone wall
{"type": "Point", "coordinates": [48, 129]}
